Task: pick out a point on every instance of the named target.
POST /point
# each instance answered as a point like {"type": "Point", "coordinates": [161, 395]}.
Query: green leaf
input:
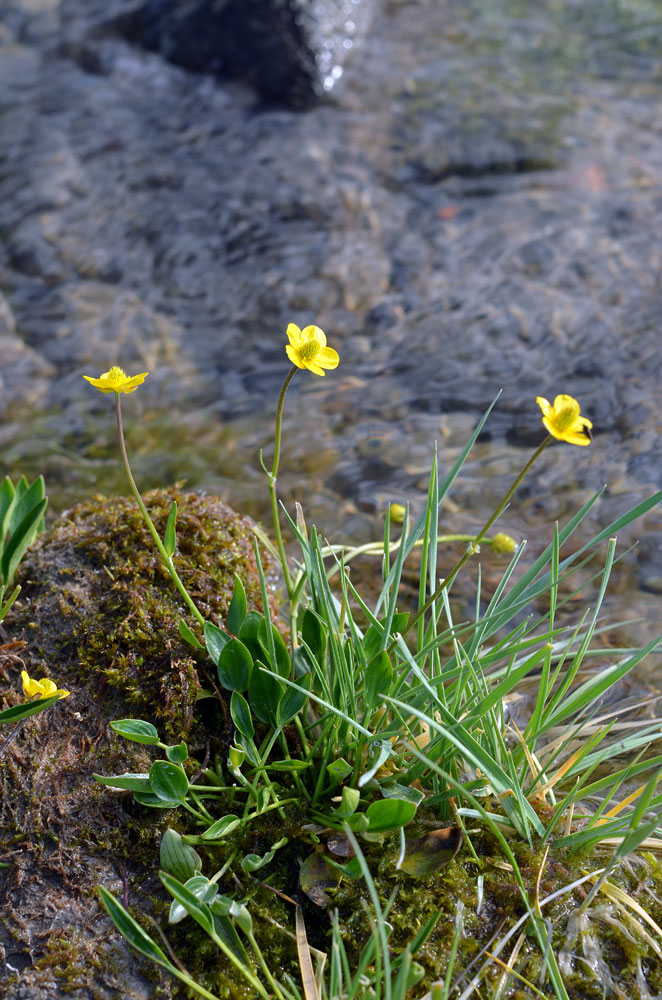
{"type": "Point", "coordinates": [7, 497]}
{"type": "Point", "coordinates": [359, 822]}
{"type": "Point", "coordinates": [237, 609]}
{"type": "Point", "coordinates": [170, 536]}
{"type": "Point", "coordinates": [378, 679]}
{"type": "Point", "coordinates": [349, 801]}
{"type": "Point", "coordinates": [252, 862]}
{"type": "Point", "coordinates": [395, 791]}
{"type": "Point", "coordinates": [339, 769]}
{"type": "Point", "coordinates": [292, 701]}
{"type": "Point", "coordinates": [190, 902]}
{"type": "Point", "coordinates": [19, 539]}
{"type": "Point", "coordinates": [289, 765]}
{"type": "Point", "coordinates": [26, 500]}
{"type": "Point", "coordinates": [154, 802]}
{"type": "Point", "coordinates": [177, 754]}
{"type": "Point", "coordinates": [168, 781]}
{"type": "Point", "coordinates": [241, 715]}
{"type": "Point", "coordinates": [389, 814]}
{"type": "Point", "coordinates": [188, 636]}
{"type": "Point", "coordinates": [136, 730]}
{"type": "Point", "coordinates": [264, 694]}
{"type": "Point", "coordinates": [131, 930]}
{"type": "Point", "coordinates": [235, 666]}
{"type": "Point", "coordinates": [202, 889]}
{"type": "Point", "coordinates": [132, 782]}
{"type": "Point", "coordinates": [282, 665]}
{"type": "Point", "coordinates": [215, 641]}
{"type": "Point", "coordinates": [177, 857]}
{"type": "Point", "coordinates": [222, 827]}
{"type": "Point", "coordinates": [248, 633]}
{"type": "Point", "coordinates": [373, 640]}
{"type": "Point", "coordinates": [382, 749]}
{"type": "Point", "coordinates": [246, 744]}
{"type": "Point", "coordinates": [239, 912]}
{"type": "Point", "coordinates": [313, 633]}
{"type": "Point", "coordinates": [19, 712]}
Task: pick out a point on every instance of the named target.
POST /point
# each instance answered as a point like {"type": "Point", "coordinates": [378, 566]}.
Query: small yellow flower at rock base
{"type": "Point", "coordinates": [563, 421]}
{"type": "Point", "coordinates": [397, 513]}
{"type": "Point", "coordinates": [44, 688]}
{"type": "Point", "coordinates": [116, 380]}
{"type": "Point", "coordinates": [307, 349]}
{"type": "Point", "coordinates": [503, 543]}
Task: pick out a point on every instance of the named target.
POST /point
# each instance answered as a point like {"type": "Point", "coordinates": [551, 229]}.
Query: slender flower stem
{"type": "Point", "coordinates": [148, 521]}
{"type": "Point", "coordinates": [472, 548]}
{"type": "Point", "coordinates": [273, 475]}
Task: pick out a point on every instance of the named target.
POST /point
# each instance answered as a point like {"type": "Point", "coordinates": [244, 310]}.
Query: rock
{"type": "Point", "coordinates": [25, 377]}
{"type": "Point", "coordinates": [99, 614]}
{"type": "Point", "coordinates": [289, 50]}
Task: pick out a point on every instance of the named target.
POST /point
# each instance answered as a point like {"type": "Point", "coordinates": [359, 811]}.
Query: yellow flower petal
{"type": "Point", "coordinates": [307, 349]}
{"type": "Point", "coordinates": [30, 687]}
{"type": "Point", "coordinates": [563, 420]}
{"type": "Point", "coordinates": [45, 688]}
{"type": "Point", "coordinates": [294, 356]}
{"type": "Point", "coordinates": [294, 334]}
{"type": "Point", "coordinates": [116, 380]}
{"type": "Point", "coordinates": [328, 358]}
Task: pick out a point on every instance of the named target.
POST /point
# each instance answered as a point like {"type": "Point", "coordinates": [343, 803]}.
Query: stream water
{"type": "Point", "coordinates": [475, 209]}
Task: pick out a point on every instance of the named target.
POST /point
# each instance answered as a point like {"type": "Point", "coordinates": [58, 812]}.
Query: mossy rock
{"type": "Point", "coordinates": [99, 614]}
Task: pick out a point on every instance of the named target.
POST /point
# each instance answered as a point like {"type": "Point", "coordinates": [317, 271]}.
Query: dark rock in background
{"type": "Point", "coordinates": [268, 43]}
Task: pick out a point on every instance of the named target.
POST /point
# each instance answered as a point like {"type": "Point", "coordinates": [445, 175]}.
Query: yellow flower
{"type": "Point", "coordinates": [307, 349]}
{"type": "Point", "coordinates": [44, 688]}
{"type": "Point", "coordinates": [503, 543]}
{"type": "Point", "coordinates": [397, 512]}
{"type": "Point", "coordinates": [117, 380]}
{"type": "Point", "coordinates": [562, 420]}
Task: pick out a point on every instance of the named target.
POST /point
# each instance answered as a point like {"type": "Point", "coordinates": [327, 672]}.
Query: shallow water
{"type": "Point", "coordinates": [475, 210]}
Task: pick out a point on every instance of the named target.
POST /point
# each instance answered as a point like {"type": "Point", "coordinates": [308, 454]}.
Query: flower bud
{"type": "Point", "coordinates": [504, 544]}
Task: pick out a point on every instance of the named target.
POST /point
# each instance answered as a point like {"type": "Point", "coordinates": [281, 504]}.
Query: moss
{"type": "Point", "coordinates": [99, 613]}
{"type": "Point", "coordinates": [622, 951]}
{"type": "Point", "coordinates": [102, 604]}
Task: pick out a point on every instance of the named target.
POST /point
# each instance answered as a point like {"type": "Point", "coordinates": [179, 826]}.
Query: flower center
{"type": "Point", "coordinates": [116, 374]}
{"type": "Point", "coordinates": [565, 417]}
{"type": "Point", "coordinates": [309, 350]}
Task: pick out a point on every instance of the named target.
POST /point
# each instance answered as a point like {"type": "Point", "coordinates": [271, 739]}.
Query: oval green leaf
{"type": "Point", "coordinates": [178, 857]}
{"type": "Point", "coordinates": [292, 701]}
{"type": "Point", "coordinates": [215, 640]}
{"type": "Point", "coordinates": [168, 781]}
{"type": "Point", "coordinates": [241, 715]}
{"type": "Point", "coordinates": [221, 828]}
{"type": "Point", "coordinates": [264, 694]}
{"type": "Point", "coordinates": [177, 754]}
{"type": "Point", "coordinates": [235, 666]}
{"type": "Point", "coordinates": [389, 814]}
{"type": "Point", "coordinates": [237, 609]}
{"type": "Point", "coordinates": [136, 730]}
{"type": "Point", "coordinates": [132, 782]}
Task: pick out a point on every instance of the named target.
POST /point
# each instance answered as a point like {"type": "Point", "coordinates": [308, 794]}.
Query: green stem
{"type": "Point", "coordinates": [273, 475]}
{"type": "Point", "coordinates": [148, 521]}
{"type": "Point", "coordinates": [473, 546]}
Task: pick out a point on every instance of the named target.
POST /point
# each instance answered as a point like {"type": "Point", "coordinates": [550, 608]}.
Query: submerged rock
{"type": "Point", "coordinates": [100, 615]}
